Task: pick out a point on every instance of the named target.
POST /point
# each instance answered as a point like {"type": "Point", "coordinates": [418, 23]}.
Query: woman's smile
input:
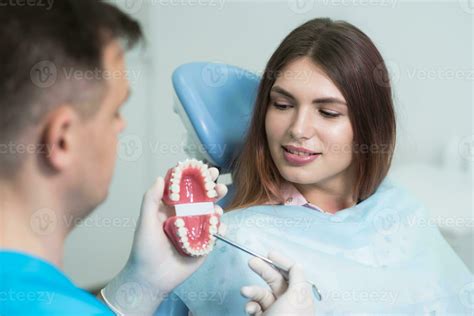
{"type": "Point", "coordinates": [299, 156]}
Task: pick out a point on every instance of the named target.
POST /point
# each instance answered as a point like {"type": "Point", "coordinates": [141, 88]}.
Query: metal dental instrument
{"type": "Point", "coordinates": [284, 272]}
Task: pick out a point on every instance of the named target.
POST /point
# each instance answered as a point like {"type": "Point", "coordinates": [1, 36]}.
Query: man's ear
{"type": "Point", "coordinates": [59, 136]}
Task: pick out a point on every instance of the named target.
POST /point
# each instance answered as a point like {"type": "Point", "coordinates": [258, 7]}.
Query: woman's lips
{"type": "Point", "coordinates": [299, 160]}
{"type": "Point", "coordinates": [298, 149]}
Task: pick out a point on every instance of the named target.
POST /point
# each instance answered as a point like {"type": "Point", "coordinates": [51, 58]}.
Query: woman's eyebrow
{"type": "Point", "coordinates": [325, 100]}
{"type": "Point", "coordinates": [282, 91]}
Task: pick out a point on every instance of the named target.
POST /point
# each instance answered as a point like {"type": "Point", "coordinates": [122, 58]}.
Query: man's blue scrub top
{"type": "Point", "coordinates": [32, 286]}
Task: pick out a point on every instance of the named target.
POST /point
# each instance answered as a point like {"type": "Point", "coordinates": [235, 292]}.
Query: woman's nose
{"type": "Point", "coordinates": [302, 125]}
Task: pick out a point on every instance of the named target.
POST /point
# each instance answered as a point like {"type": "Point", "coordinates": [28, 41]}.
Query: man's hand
{"type": "Point", "coordinates": [154, 267]}
{"type": "Point", "coordinates": [282, 298]}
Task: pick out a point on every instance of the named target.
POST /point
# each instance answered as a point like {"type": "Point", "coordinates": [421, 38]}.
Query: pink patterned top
{"type": "Point", "coordinates": [293, 197]}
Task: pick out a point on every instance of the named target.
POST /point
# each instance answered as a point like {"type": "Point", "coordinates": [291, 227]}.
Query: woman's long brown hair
{"type": "Point", "coordinates": [355, 66]}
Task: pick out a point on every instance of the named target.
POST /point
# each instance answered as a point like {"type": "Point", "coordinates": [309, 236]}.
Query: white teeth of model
{"type": "Point", "coordinates": [213, 220]}
{"type": "Point", "coordinates": [212, 230]}
{"type": "Point", "coordinates": [209, 185]}
{"type": "Point", "coordinates": [182, 232]}
{"type": "Point", "coordinates": [174, 197]}
{"type": "Point", "coordinates": [208, 178]}
{"type": "Point", "coordinates": [177, 174]}
{"type": "Point", "coordinates": [204, 173]}
{"type": "Point", "coordinates": [211, 193]}
{"type": "Point", "coordinates": [179, 223]}
{"type": "Point", "coordinates": [174, 188]}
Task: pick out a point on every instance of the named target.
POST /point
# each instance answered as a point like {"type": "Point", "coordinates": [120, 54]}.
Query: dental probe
{"type": "Point", "coordinates": [284, 272]}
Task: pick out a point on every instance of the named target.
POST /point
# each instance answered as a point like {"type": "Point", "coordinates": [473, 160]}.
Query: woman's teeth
{"type": "Point", "coordinates": [299, 153]}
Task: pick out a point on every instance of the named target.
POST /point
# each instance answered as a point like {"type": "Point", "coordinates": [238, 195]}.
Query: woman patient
{"type": "Point", "coordinates": [311, 183]}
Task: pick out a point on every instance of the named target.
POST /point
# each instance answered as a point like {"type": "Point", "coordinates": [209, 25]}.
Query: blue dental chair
{"type": "Point", "coordinates": [215, 103]}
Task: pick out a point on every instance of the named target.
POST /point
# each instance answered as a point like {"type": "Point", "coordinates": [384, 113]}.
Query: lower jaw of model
{"type": "Point", "coordinates": [194, 235]}
{"type": "Point", "coordinates": [190, 189]}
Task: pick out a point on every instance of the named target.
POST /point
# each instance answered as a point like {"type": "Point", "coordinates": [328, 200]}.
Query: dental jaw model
{"type": "Point", "coordinates": [190, 189]}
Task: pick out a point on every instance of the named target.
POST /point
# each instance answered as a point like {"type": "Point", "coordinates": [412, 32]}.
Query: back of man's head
{"type": "Point", "coordinates": [40, 50]}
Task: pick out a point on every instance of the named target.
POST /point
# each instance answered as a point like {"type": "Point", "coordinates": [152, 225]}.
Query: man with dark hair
{"type": "Point", "coordinates": [63, 83]}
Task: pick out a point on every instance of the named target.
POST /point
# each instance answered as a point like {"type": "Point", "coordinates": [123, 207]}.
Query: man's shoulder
{"type": "Point", "coordinates": [29, 285]}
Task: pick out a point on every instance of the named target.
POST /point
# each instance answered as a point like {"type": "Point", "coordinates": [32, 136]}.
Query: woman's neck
{"type": "Point", "coordinates": [331, 195]}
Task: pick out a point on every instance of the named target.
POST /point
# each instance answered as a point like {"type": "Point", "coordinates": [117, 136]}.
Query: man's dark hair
{"type": "Point", "coordinates": [38, 47]}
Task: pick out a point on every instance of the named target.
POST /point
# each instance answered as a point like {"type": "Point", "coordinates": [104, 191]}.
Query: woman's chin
{"type": "Point", "coordinates": [300, 177]}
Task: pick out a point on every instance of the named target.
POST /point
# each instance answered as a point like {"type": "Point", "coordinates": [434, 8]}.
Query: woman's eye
{"type": "Point", "coordinates": [281, 106]}
{"type": "Point", "coordinates": [329, 114]}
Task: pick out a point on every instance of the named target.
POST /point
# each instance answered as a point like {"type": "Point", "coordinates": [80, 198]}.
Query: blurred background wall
{"type": "Point", "coordinates": [427, 46]}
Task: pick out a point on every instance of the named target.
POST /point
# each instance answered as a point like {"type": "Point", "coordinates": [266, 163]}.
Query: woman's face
{"type": "Point", "coordinates": [308, 128]}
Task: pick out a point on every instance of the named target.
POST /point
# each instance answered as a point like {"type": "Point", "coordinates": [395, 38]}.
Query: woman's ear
{"type": "Point", "coordinates": [58, 137]}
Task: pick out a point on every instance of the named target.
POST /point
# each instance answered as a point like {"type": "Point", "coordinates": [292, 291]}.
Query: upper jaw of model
{"type": "Point", "coordinates": [191, 190]}
{"type": "Point", "coordinates": [175, 193]}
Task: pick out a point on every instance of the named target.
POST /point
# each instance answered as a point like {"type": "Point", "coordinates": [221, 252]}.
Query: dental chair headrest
{"type": "Point", "coordinates": [215, 102]}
